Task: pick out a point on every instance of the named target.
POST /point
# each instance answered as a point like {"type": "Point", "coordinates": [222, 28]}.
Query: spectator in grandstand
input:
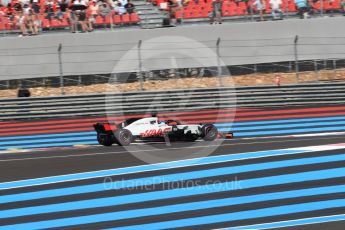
{"type": "Point", "coordinates": [21, 23]}
{"type": "Point", "coordinates": [129, 7]}
{"type": "Point", "coordinates": [49, 9]}
{"type": "Point", "coordinates": [5, 2]}
{"type": "Point", "coordinates": [302, 8]}
{"type": "Point", "coordinates": [93, 12]}
{"type": "Point", "coordinates": [342, 5]}
{"type": "Point", "coordinates": [277, 14]}
{"type": "Point", "coordinates": [104, 9]}
{"type": "Point", "coordinates": [63, 5]}
{"type": "Point", "coordinates": [36, 7]}
{"type": "Point", "coordinates": [32, 22]}
{"type": "Point", "coordinates": [72, 16]}
{"type": "Point", "coordinates": [121, 8]}
{"type": "Point", "coordinates": [216, 15]}
{"type": "Point", "coordinates": [26, 9]}
{"type": "Point", "coordinates": [115, 6]}
{"type": "Point", "coordinates": [179, 3]}
{"type": "Point", "coordinates": [123, 2]}
{"type": "Point", "coordinates": [2, 10]}
{"type": "Point", "coordinates": [59, 14]}
{"type": "Point", "coordinates": [17, 7]}
{"type": "Point", "coordinates": [260, 7]}
{"type": "Point", "coordinates": [78, 15]}
{"type": "Point", "coordinates": [10, 12]}
{"type": "Point", "coordinates": [81, 13]}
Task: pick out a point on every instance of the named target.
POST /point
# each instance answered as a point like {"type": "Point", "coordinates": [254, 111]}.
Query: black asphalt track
{"type": "Point", "coordinates": [35, 164]}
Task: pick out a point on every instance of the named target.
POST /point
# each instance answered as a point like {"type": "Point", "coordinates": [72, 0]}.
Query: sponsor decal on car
{"type": "Point", "coordinates": [155, 132]}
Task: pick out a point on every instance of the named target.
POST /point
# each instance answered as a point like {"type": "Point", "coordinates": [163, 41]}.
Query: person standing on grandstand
{"type": "Point", "coordinates": [216, 12]}
{"type": "Point", "coordinates": [82, 16]}
{"type": "Point", "coordinates": [260, 7]}
{"type": "Point", "coordinates": [93, 12]}
{"type": "Point", "coordinates": [342, 4]}
{"type": "Point", "coordinates": [302, 8]}
{"type": "Point", "coordinates": [276, 11]}
{"type": "Point", "coordinates": [72, 16]}
{"type": "Point", "coordinates": [78, 15]}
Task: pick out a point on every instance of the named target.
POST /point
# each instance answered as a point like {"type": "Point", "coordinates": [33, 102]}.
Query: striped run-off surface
{"type": "Point", "coordinates": [243, 122]}
{"type": "Point", "coordinates": [251, 190]}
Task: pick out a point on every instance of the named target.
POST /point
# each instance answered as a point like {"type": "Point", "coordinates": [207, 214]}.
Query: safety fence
{"type": "Point", "coordinates": [66, 65]}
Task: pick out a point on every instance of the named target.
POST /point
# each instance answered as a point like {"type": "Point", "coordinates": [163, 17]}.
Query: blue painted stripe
{"type": "Point", "coordinates": [290, 131]}
{"type": "Point", "coordinates": [48, 135]}
{"type": "Point", "coordinates": [94, 203]}
{"type": "Point", "coordinates": [113, 216]}
{"type": "Point", "coordinates": [55, 140]}
{"type": "Point", "coordinates": [90, 142]}
{"type": "Point", "coordinates": [279, 121]}
{"type": "Point", "coordinates": [274, 180]}
{"type": "Point", "coordinates": [243, 215]}
{"type": "Point", "coordinates": [284, 126]}
{"type": "Point", "coordinates": [141, 168]}
{"type": "Point", "coordinates": [289, 223]}
{"type": "Point", "coordinates": [79, 136]}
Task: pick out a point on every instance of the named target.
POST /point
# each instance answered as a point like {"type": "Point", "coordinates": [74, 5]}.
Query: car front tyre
{"type": "Point", "coordinates": [209, 132]}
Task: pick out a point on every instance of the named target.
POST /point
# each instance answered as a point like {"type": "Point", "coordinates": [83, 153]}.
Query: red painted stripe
{"type": "Point", "coordinates": [238, 114]}
{"type": "Point", "coordinates": [187, 122]}
{"type": "Point", "coordinates": [46, 131]}
{"type": "Point", "coordinates": [52, 127]}
{"type": "Point", "coordinates": [94, 119]}
{"type": "Point", "coordinates": [77, 125]}
{"type": "Point", "coordinates": [188, 119]}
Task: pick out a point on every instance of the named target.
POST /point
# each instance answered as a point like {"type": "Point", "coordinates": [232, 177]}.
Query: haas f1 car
{"type": "Point", "coordinates": [153, 129]}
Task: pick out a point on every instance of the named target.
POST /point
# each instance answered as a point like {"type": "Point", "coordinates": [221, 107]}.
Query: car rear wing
{"type": "Point", "coordinates": [105, 127]}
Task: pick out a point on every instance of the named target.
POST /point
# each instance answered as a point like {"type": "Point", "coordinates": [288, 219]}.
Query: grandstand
{"type": "Point", "coordinates": [53, 15]}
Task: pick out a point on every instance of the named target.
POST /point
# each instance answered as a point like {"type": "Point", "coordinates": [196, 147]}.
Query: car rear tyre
{"type": "Point", "coordinates": [104, 139]}
{"type": "Point", "coordinates": [123, 137]}
{"type": "Point", "coordinates": [209, 132]}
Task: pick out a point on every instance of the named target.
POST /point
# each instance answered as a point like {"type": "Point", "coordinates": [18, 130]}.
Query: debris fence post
{"type": "Point", "coordinates": [140, 74]}
{"type": "Point", "coordinates": [296, 58]}
{"type": "Point", "coordinates": [219, 67]}
{"type": "Point", "coordinates": [60, 70]}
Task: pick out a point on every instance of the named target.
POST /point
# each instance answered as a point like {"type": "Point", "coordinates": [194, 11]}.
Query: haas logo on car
{"type": "Point", "coordinates": [155, 132]}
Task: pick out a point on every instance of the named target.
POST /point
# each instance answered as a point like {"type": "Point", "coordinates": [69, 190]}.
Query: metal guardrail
{"type": "Point", "coordinates": [164, 101]}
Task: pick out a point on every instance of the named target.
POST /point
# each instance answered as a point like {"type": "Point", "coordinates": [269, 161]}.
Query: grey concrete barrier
{"type": "Point", "coordinates": [172, 100]}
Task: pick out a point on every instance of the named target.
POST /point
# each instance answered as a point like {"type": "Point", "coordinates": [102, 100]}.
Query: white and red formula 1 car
{"type": "Point", "coordinates": [154, 129]}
